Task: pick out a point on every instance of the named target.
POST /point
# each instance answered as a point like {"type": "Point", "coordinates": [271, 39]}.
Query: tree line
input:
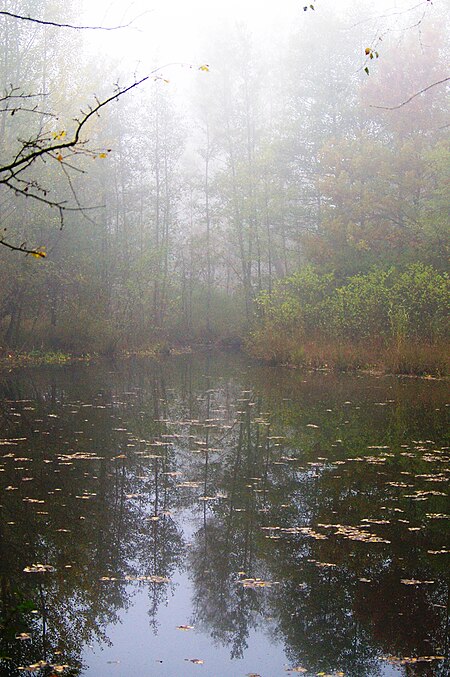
{"type": "Point", "coordinates": [278, 164]}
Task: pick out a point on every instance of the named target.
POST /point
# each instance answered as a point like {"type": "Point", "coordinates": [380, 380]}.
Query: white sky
{"type": "Point", "coordinates": [171, 30]}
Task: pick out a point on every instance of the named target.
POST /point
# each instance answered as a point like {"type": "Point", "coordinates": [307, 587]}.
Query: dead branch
{"type": "Point", "coordinates": [422, 91]}
{"type": "Point", "coordinates": [57, 24]}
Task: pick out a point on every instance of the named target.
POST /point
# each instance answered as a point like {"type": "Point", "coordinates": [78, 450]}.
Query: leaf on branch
{"type": "Point", "coordinates": [204, 67]}
{"type": "Point", "coordinates": [39, 253]}
{"type": "Point", "coordinates": [59, 157]}
{"type": "Point", "coordinates": [371, 53]}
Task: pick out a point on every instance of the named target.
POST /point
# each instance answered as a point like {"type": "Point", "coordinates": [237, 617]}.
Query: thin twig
{"type": "Point", "coordinates": [422, 91]}
{"type": "Point", "coordinates": [56, 24]}
{"type": "Point", "coordinates": [23, 248]}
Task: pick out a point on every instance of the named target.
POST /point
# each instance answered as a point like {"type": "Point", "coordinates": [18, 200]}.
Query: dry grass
{"type": "Point", "coordinates": [418, 359]}
{"type": "Point", "coordinates": [410, 357]}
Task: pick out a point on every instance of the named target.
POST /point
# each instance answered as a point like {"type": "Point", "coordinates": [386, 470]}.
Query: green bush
{"type": "Point", "coordinates": [382, 304]}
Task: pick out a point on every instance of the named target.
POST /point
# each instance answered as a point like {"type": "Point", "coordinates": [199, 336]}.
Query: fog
{"type": "Point", "coordinates": [273, 161]}
{"type": "Point", "coordinates": [224, 338]}
{"type": "Point", "coordinates": [177, 31]}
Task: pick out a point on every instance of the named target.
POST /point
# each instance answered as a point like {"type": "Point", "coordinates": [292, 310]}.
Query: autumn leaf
{"type": "Point", "coordinates": [58, 136]}
{"type": "Point", "coordinates": [39, 253]}
{"type": "Point", "coordinates": [23, 636]}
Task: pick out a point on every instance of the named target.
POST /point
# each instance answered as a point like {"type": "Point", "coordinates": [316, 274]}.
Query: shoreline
{"type": "Point", "coordinates": [13, 360]}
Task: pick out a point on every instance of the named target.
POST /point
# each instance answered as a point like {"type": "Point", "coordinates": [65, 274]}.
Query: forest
{"type": "Point", "coordinates": [224, 323]}
{"type": "Point", "coordinates": [286, 195]}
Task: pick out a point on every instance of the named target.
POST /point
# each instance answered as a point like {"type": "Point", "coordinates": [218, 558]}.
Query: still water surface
{"type": "Point", "coordinates": [208, 517]}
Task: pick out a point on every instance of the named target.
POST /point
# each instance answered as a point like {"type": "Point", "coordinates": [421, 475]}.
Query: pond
{"type": "Point", "coordinates": [207, 516]}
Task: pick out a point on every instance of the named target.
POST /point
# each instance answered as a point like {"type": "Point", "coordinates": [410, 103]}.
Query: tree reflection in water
{"type": "Point", "coordinates": [316, 505]}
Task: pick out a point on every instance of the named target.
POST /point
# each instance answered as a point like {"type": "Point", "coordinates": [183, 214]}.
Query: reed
{"type": "Point", "coordinates": [387, 356]}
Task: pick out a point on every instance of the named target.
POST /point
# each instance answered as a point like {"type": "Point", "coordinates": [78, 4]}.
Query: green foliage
{"type": "Point", "coordinates": [282, 164]}
{"type": "Point", "coordinates": [298, 302]}
{"type": "Point", "coordinates": [382, 307]}
{"type": "Point", "coordinates": [360, 309]}
{"type": "Point", "coordinates": [424, 296]}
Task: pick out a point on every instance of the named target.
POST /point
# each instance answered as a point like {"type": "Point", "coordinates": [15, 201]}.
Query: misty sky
{"type": "Point", "coordinates": [174, 30]}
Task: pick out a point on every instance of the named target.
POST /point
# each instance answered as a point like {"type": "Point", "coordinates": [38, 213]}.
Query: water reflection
{"type": "Point", "coordinates": [310, 509]}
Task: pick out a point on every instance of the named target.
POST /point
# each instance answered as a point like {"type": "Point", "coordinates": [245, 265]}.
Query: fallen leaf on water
{"type": "Point", "coordinates": [405, 660]}
{"type": "Point", "coordinates": [150, 579]}
{"type": "Point", "coordinates": [34, 667]}
{"type": "Point", "coordinates": [39, 569]}
{"type": "Point", "coordinates": [256, 583]}
{"type": "Point", "coordinates": [185, 627]}
{"type": "Point", "coordinates": [322, 565]}
{"type": "Point", "coordinates": [196, 661]}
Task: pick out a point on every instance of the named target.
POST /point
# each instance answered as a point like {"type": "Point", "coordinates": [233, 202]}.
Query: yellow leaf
{"type": "Point", "coordinates": [204, 67]}
{"type": "Point", "coordinates": [367, 51]}
{"type": "Point", "coordinates": [39, 253]}
{"type": "Point", "coordinates": [59, 158]}
{"type": "Point", "coordinates": [103, 155]}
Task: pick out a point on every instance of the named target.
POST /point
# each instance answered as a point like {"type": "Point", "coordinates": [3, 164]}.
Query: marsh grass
{"type": "Point", "coordinates": [417, 359]}
{"type": "Point", "coordinates": [13, 359]}
{"type": "Point", "coordinates": [388, 356]}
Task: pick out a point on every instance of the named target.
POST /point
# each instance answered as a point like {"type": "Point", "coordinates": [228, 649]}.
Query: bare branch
{"type": "Point", "coordinates": [422, 91]}
{"type": "Point", "coordinates": [14, 100]}
{"type": "Point", "coordinates": [56, 24]}
{"type": "Point", "coordinates": [390, 14]}
{"type": "Point", "coordinates": [49, 149]}
{"type": "Point", "coordinates": [18, 162]}
{"type": "Point", "coordinates": [23, 109]}
{"type": "Point", "coordinates": [44, 146]}
{"type": "Point", "coordinates": [37, 253]}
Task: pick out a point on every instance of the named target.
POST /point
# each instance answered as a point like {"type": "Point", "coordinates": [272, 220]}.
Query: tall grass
{"type": "Point", "coordinates": [387, 356]}
{"type": "Point", "coordinates": [394, 320]}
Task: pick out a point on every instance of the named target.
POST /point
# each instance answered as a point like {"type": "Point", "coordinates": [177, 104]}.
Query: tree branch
{"type": "Point", "coordinates": [44, 146]}
{"type": "Point", "coordinates": [56, 24]}
{"type": "Point", "coordinates": [422, 91]}
{"type": "Point", "coordinates": [47, 150]}
{"type": "Point", "coordinates": [37, 253]}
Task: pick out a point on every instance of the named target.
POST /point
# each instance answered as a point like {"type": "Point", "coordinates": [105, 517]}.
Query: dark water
{"type": "Point", "coordinates": [206, 517]}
